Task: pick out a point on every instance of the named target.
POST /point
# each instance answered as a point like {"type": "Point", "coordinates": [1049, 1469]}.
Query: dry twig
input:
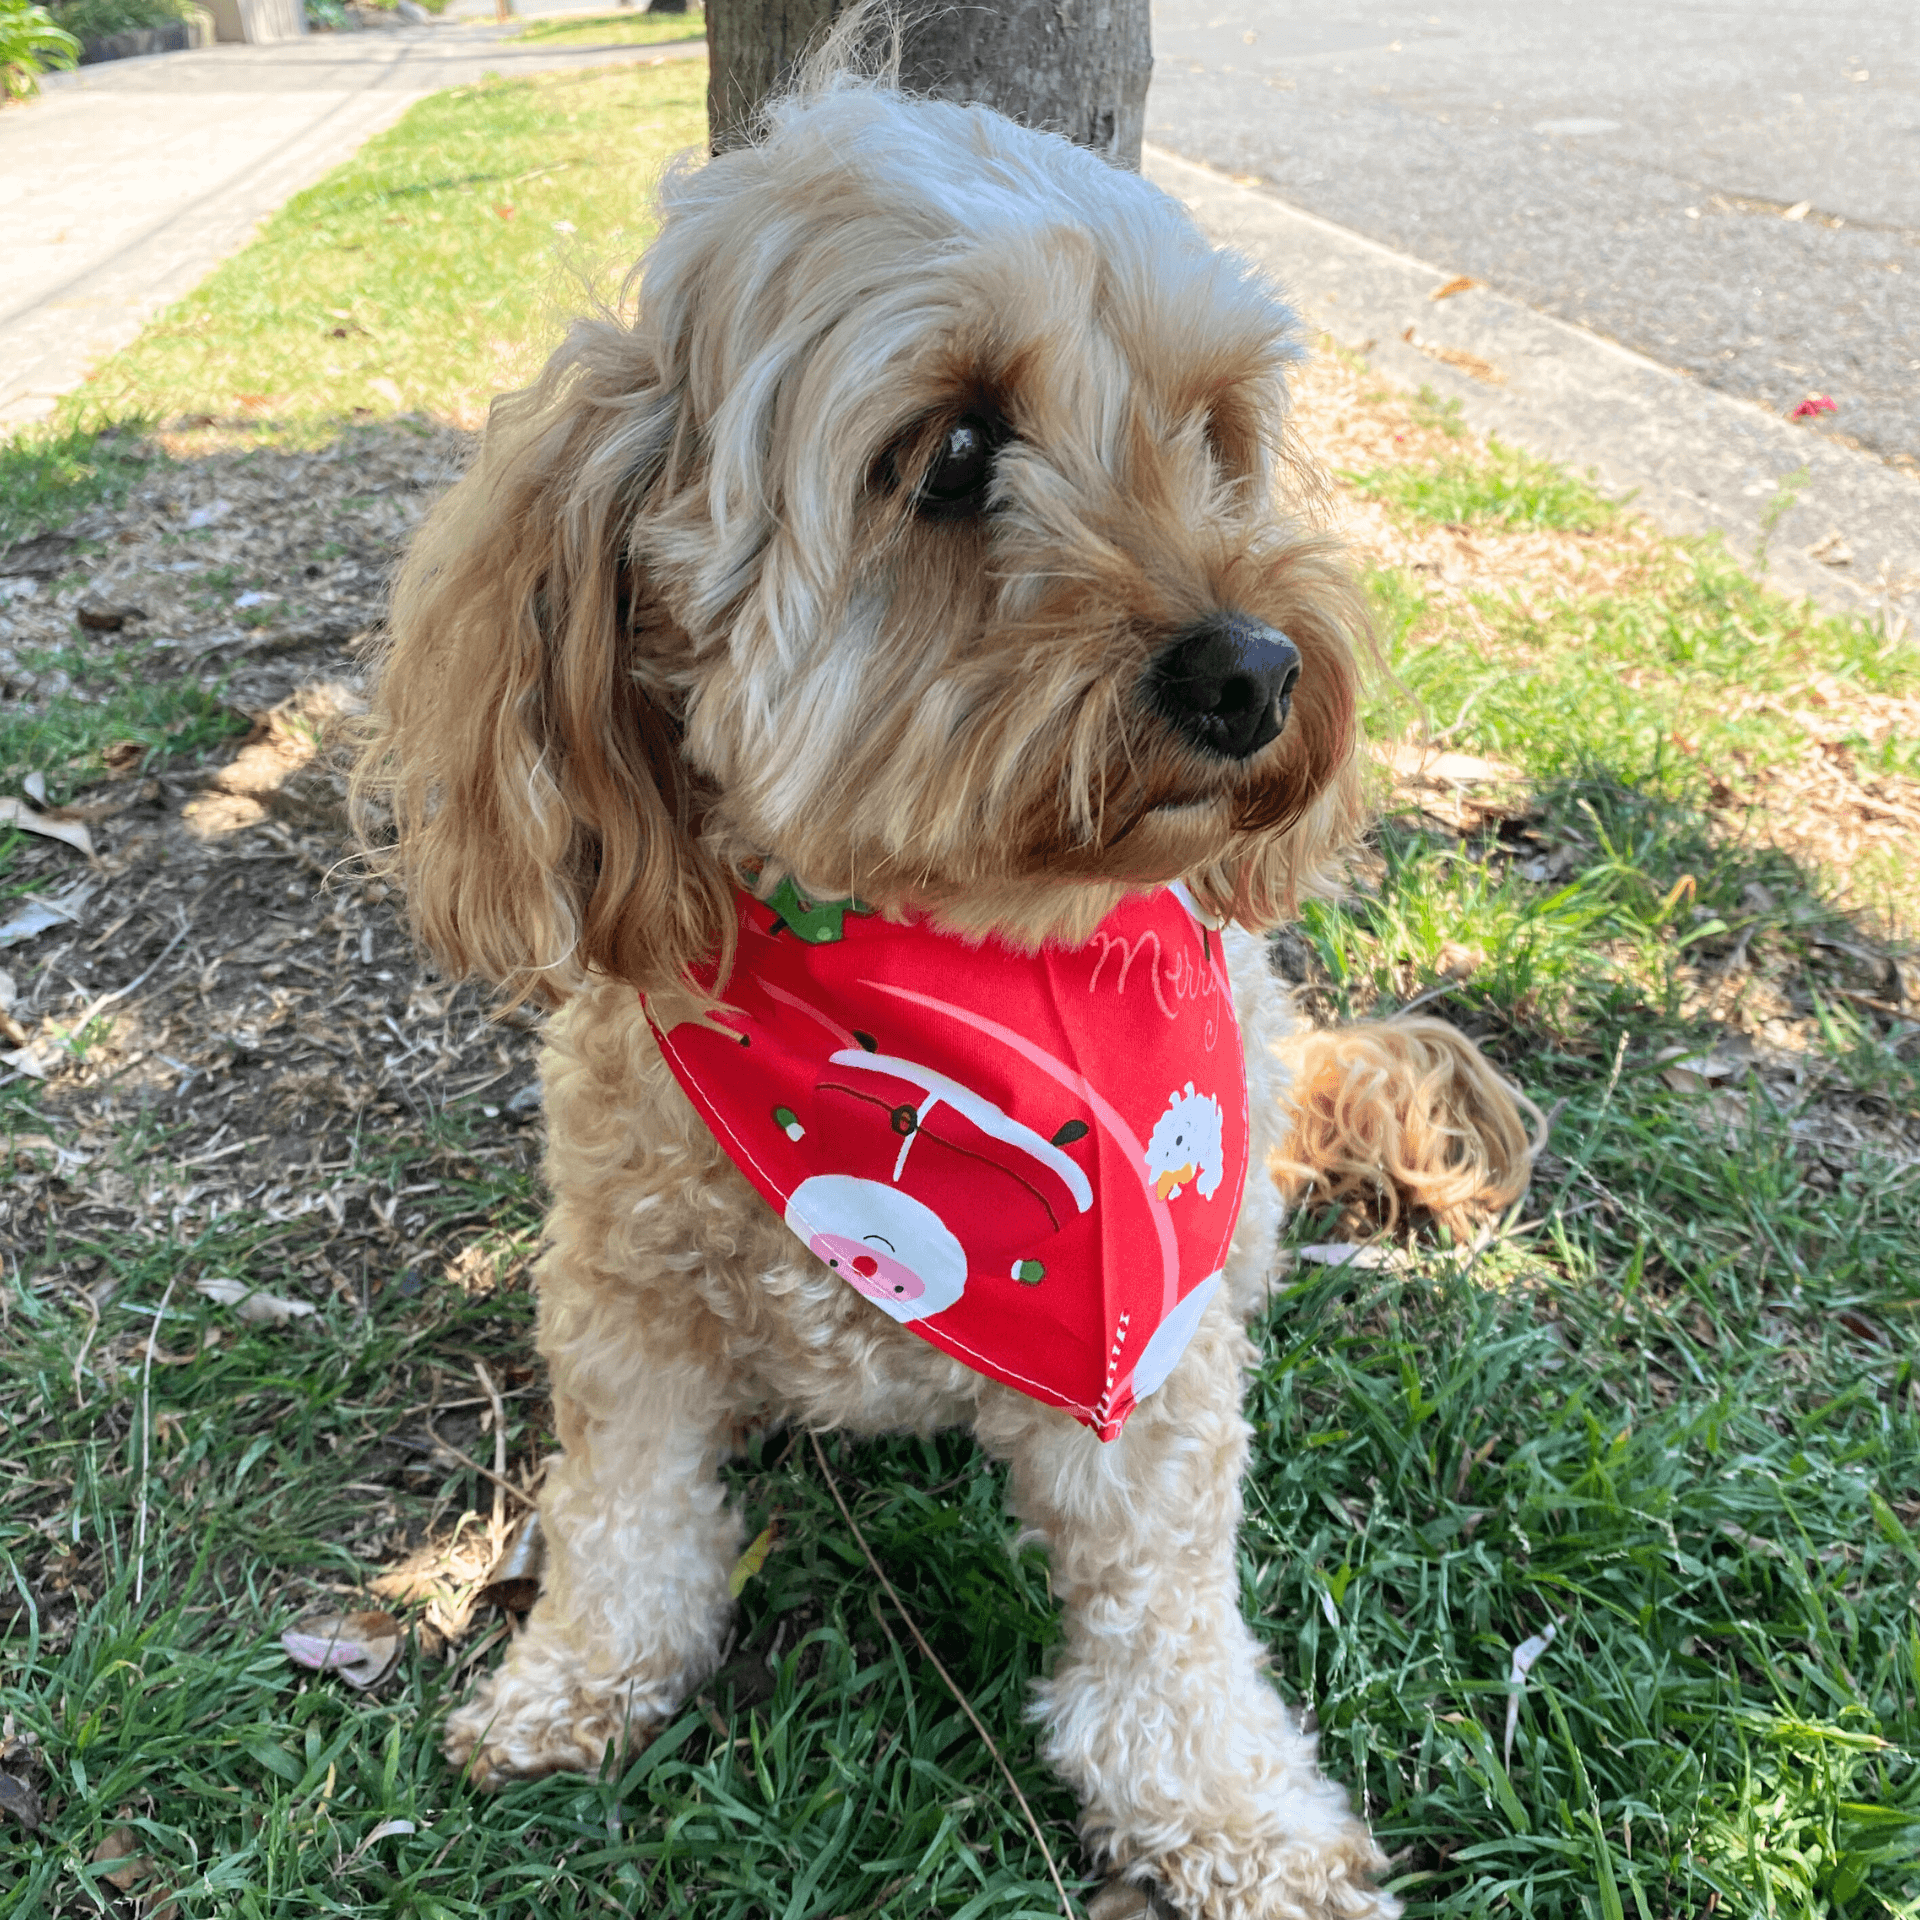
{"type": "Point", "coordinates": [472, 1465]}
{"type": "Point", "coordinates": [146, 1443]}
{"type": "Point", "coordinates": [497, 1526]}
{"type": "Point", "coordinates": [933, 1660]}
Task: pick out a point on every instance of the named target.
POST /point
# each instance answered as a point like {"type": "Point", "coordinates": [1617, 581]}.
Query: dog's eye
{"type": "Point", "coordinates": [964, 465]}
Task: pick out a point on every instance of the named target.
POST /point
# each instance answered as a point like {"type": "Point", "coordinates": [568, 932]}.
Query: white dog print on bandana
{"type": "Point", "coordinates": [1185, 1148]}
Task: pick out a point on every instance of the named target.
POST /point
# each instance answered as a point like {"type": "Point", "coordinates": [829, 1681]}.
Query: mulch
{"type": "Point", "coordinates": [225, 988]}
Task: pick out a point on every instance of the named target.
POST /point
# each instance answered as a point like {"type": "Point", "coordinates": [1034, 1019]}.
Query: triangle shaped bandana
{"type": "Point", "coordinates": [1033, 1160]}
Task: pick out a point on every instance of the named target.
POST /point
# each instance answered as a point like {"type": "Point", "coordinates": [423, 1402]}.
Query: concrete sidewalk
{"type": "Point", "coordinates": [123, 187]}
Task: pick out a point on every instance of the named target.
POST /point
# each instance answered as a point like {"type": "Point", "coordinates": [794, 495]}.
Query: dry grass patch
{"type": "Point", "coordinates": [1793, 730]}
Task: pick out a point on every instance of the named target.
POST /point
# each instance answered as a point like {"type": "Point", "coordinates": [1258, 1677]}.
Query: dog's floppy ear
{"type": "Point", "coordinates": [522, 742]}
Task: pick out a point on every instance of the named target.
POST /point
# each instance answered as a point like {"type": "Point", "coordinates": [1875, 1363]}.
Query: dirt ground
{"type": "Point", "coordinates": [233, 986]}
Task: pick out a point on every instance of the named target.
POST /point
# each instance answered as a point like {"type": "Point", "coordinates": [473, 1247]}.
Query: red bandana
{"type": "Point", "coordinates": [1035, 1161]}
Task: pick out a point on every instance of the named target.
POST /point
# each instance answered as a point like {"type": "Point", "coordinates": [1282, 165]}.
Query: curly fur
{"type": "Point", "coordinates": [684, 626]}
{"type": "Point", "coordinates": [1405, 1115]}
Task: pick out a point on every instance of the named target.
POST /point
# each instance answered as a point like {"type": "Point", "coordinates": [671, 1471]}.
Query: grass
{"type": "Point", "coordinates": [1500, 485]}
{"type": "Point", "coordinates": [431, 270]}
{"type": "Point", "coordinates": [614, 29]}
{"type": "Point", "coordinates": [1674, 1413]}
{"type": "Point", "coordinates": [49, 475]}
{"type": "Point", "coordinates": [1690, 661]}
{"type": "Point", "coordinates": [108, 706]}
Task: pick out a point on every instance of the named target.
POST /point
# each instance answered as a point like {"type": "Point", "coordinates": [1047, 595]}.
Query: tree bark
{"type": "Point", "coordinates": [1077, 67]}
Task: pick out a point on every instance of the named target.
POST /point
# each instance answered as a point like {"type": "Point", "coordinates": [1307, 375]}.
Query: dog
{"type": "Point", "coordinates": [908, 570]}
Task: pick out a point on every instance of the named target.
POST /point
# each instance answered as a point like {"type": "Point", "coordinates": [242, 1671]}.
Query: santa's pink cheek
{"type": "Point", "coordinates": [878, 1275]}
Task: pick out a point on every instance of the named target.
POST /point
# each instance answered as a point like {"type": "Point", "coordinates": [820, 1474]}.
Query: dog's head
{"type": "Point", "coordinates": [918, 537]}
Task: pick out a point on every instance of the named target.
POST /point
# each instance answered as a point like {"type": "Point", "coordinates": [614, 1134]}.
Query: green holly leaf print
{"type": "Point", "coordinates": [817, 922]}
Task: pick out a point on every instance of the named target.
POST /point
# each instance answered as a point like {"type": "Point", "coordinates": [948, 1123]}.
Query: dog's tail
{"type": "Point", "coordinates": [1405, 1117]}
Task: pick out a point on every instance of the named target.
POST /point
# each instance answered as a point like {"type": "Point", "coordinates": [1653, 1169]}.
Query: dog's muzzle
{"type": "Point", "coordinates": [1225, 684]}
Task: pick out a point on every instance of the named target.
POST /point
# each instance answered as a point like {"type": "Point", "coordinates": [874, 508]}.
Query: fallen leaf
{"type": "Point", "coordinates": [1832, 551]}
{"type": "Point", "coordinates": [45, 558]}
{"type": "Point", "coordinates": [1468, 363]}
{"type": "Point", "coordinates": [361, 1648]}
{"type": "Point", "coordinates": [1813, 404]}
{"type": "Point", "coordinates": [1418, 762]}
{"type": "Point", "coordinates": [1458, 284]}
{"type": "Point", "coordinates": [34, 786]}
{"type": "Point", "coordinates": [754, 1558]}
{"type": "Point", "coordinates": [123, 756]}
{"type": "Point", "coordinates": [387, 1829]}
{"type": "Point", "coordinates": [25, 1060]}
{"type": "Point", "coordinates": [387, 389]}
{"type": "Point", "coordinates": [1862, 1328]}
{"type": "Point", "coordinates": [1549, 866]}
{"type": "Point", "coordinates": [1122, 1900]}
{"type": "Point", "coordinates": [513, 1582]}
{"type": "Point", "coordinates": [19, 1801]}
{"type": "Point", "coordinates": [16, 813]}
{"type": "Point", "coordinates": [1524, 1655]}
{"type": "Point", "coordinates": [1343, 1253]}
{"type": "Point", "coordinates": [64, 1158]}
{"type": "Point", "coordinates": [97, 617]}
{"type": "Point", "coordinates": [258, 1309]}
{"type": "Point", "coordinates": [207, 515]}
{"type": "Point", "coordinates": [162, 1358]}
{"type": "Point", "coordinates": [121, 1845]}
{"type": "Point", "coordinates": [1798, 211]}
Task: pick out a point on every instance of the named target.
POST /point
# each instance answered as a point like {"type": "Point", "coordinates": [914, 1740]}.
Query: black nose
{"type": "Point", "coordinates": [1225, 684]}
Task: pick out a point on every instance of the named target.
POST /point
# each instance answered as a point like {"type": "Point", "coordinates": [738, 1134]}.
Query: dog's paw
{"type": "Point", "coordinates": [514, 1728]}
{"type": "Point", "coordinates": [1213, 1878]}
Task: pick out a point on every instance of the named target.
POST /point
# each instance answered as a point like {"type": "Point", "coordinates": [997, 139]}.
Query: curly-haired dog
{"type": "Point", "coordinates": [913, 547]}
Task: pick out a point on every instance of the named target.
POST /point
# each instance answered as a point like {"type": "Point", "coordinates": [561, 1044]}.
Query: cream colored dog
{"type": "Point", "coordinates": [917, 539]}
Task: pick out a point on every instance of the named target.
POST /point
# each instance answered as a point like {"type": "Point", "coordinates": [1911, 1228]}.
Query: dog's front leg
{"type": "Point", "coordinates": [634, 1605]}
{"type": "Point", "coordinates": [1189, 1769]}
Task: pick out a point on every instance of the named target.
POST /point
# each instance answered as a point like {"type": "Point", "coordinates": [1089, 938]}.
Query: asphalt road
{"type": "Point", "coordinates": [1634, 166]}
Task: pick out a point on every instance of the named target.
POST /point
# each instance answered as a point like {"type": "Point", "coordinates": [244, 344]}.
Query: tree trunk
{"type": "Point", "coordinates": [1078, 67]}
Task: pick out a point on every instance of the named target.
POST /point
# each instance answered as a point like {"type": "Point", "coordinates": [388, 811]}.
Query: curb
{"type": "Point", "coordinates": [1693, 459]}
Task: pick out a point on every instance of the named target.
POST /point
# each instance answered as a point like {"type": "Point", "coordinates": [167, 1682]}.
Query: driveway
{"type": "Point", "coordinates": [122, 187]}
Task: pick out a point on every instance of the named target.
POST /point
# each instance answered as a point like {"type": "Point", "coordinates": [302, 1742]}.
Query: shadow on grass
{"type": "Point", "coordinates": [47, 477]}
{"type": "Point", "coordinates": [1672, 1414]}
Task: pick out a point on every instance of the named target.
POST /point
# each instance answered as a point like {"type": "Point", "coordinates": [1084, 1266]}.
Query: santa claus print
{"type": "Point", "coordinates": [1185, 1148]}
{"type": "Point", "coordinates": [882, 1242]}
{"type": "Point", "coordinates": [934, 1158]}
